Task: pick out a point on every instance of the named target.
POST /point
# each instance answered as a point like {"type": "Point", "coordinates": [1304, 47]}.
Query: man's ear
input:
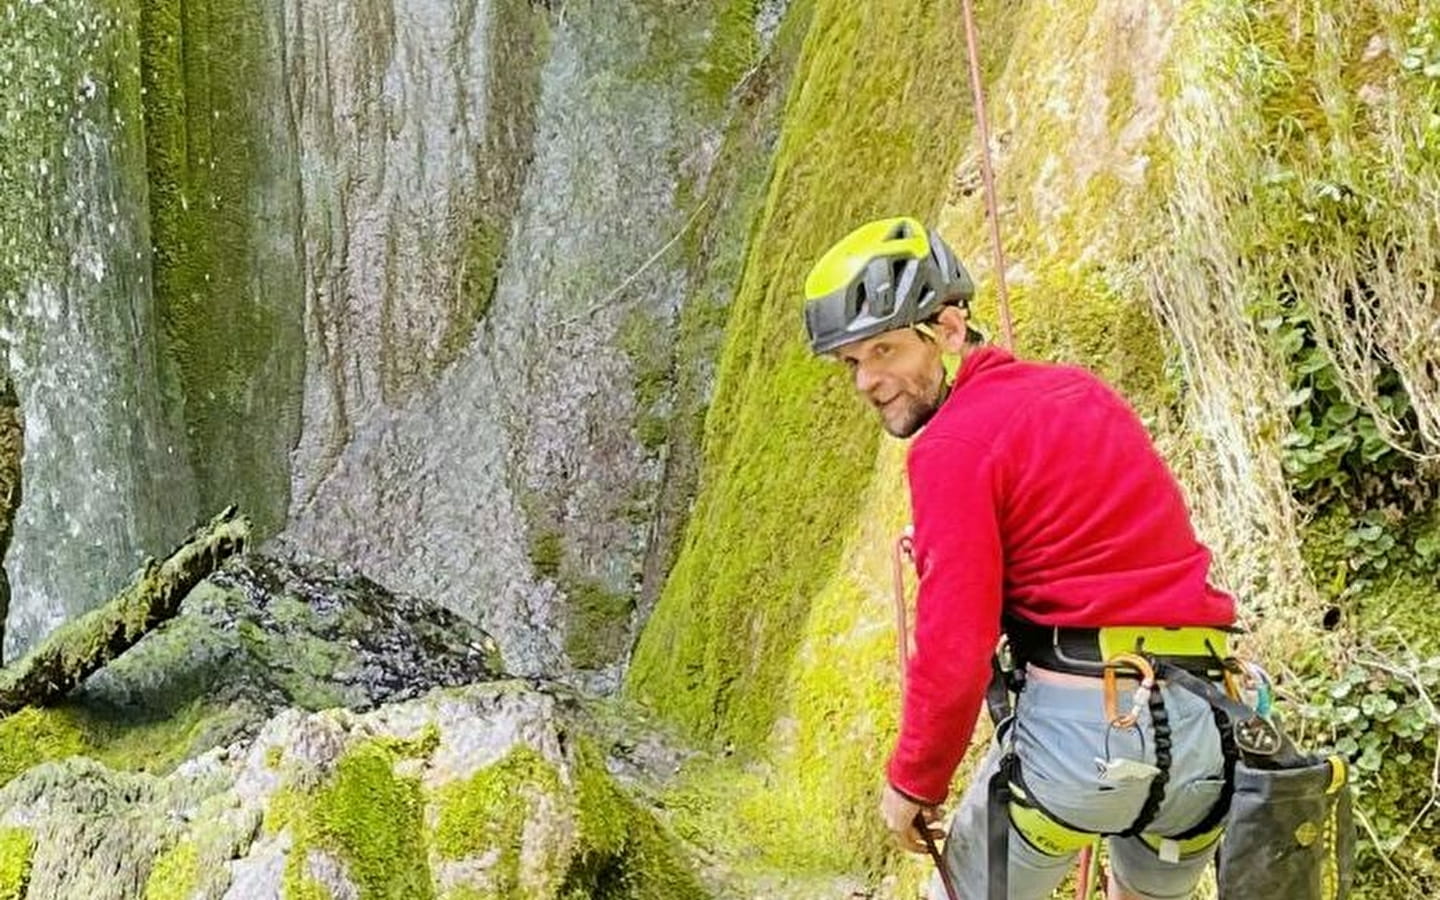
{"type": "Point", "coordinates": [951, 328]}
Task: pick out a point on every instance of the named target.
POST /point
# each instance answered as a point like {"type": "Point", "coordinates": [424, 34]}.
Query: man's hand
{"type": "Point", "coordinates": [899, 812]}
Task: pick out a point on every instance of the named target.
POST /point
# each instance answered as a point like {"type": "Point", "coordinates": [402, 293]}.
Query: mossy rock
{"type": "Point", "coordinates": [259, 636]}
{"type": "Point", "coordinates": [490, 791]}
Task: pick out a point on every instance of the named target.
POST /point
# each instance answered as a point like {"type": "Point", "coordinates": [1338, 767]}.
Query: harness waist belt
{"type": "Point", "coordinates": [1083, 651]}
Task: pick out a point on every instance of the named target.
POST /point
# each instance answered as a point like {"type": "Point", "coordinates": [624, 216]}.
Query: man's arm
{"type": "Point", "coordinates": [959, 554]}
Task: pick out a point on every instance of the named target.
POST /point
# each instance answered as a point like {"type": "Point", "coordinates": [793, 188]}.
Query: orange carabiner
{"type": "Point", "coordinates": [1142, 694]}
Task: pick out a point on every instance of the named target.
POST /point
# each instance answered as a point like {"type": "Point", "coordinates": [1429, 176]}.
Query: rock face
{"type": "Point", "coordinates": [401, 280]}
{"type": "Point", "coordinates": [515, 485]}
{"type": "Point", "coordinates": [105, 473]}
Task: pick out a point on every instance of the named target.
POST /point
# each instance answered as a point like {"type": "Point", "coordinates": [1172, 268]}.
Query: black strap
{"type": "Point", "coordinates": [1221, 809]}
{"type": "Point", "coordinates": [1258, 741]}
{"type": "Point", "coordinates": [997, 695]}
{"type": "Point", "coordinates": [1160, 719]}
{"type": "Point", "coordinates": [998, 829]}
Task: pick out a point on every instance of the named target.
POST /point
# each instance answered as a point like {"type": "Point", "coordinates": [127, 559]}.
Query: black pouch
{"type": "Point", "coordinates": [1290, 833]}
{"type": "Point", "coordinates": [1290, 830]}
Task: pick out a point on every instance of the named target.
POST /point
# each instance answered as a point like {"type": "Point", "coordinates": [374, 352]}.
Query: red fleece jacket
{"type": "Point", "coordinates": [1034, 490]}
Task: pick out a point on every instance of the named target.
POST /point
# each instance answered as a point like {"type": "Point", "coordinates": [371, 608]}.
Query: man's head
{"type": "Point", "coordinates": [888, 300]}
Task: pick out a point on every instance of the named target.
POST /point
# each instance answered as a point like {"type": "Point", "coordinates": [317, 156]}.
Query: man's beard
{"type": "Point", "coordinates": [916, 415]}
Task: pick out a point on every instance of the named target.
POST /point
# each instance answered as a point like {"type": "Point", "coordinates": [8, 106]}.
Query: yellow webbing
{"type": "Point", "coordinates": [1192, 641]}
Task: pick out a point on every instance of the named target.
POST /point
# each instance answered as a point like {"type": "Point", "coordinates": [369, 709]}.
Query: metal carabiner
{"type": "Point", "coordinates": [1141, 697]}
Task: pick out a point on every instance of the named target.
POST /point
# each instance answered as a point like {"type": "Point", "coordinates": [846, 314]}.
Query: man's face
{"type": "Point", "coordinates": [899, 372]}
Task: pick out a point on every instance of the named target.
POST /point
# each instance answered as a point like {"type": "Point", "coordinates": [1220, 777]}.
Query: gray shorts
{"type": "Point", "coordinates": [1060, 730]}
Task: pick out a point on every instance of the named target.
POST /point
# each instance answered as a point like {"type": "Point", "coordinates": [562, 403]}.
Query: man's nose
{"type": "Point", "coordinates": [865, 379]}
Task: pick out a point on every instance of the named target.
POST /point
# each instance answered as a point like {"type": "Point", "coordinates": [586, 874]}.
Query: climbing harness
{"type": "Point", "coordinates": [1288, 815]}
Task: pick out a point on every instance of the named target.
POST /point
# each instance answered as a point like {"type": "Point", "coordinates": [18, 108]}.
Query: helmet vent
{"type": "Point", "coordinates": [902, 230]}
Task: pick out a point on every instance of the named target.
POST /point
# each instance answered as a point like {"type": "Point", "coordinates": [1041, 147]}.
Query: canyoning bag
{"type": "Point", "coordinates": [1290, 830]}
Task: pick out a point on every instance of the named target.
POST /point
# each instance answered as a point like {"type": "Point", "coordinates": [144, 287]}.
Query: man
{"type": "Point", "coordinates": [1038, 501]}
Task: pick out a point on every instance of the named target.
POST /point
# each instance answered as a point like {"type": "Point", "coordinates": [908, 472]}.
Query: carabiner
{"type": "Point", "coordinates": [1142, 693]}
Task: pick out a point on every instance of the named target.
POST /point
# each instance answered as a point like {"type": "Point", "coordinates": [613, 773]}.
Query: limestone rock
{"type": "Point", "coordinates": [474, 791]}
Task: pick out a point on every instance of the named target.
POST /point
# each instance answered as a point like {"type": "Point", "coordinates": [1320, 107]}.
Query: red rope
{"type": "Point", "coordinates": [987, 175]}
{"type": "Point", "coordinates": [903, 546]}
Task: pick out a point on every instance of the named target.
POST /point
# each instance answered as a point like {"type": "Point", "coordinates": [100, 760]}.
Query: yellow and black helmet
{"type": "Point", "coordinates": [886, 274]}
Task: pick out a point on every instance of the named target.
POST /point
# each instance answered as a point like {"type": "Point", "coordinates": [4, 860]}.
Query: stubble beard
{"type": "Point", "coordinates": [912, 418]}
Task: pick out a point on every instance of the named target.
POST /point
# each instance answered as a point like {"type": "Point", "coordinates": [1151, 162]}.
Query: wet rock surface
{"type": "Point", "coordinates": [266, 633]}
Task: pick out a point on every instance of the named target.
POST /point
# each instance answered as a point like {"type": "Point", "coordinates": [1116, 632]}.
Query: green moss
{"type": "Point", "coordinates": [845, 695]}
{"type": "Point", "coordinates": [299, 886]}
{"type": "Point", "coordinates": [647, 342]}
{"type": "Point", "coordinates": [727, 205]}
{"type": "Point", "coordinates": [39, 43]}
{"type": "Point", "coordinates": [238, 343]}
{"type": "Point", "coordinates": [370, 819]}
{"type": "Point", "coordinates": [996, 21]}
{"type": "Point", "coordinates": [652, 432]}
{"type": "Point", "coordinates": [547, 551]}
{"type": "Point", "coordinates": [598, 625]}
{"type": "Point", "coordinates": [786, 446]}
{"type": "Point", "coordinates": [304, 665]}
{"type": "Point", "coordinates": [32, 736]}
{"type": "Point", "coordinates": [176, 873]}
{"type": "Point", "coordinates": [285, 808]}
{"type": "Point", "coordinates": [17, 848]}
{"type": "Point", "coordinates": [489, 811]}
{"type": "Point", "coordinates": [479, 268]}
{"type": "Point", "coordinates": [421, 746]}
{"type": "Point", "coordinates": [619, 852]}
{"type": "Point", "coordinates": [623, 854]}
{"type": "Point", "coordinates": [157, 745]}
{"type": "Point", "coordinates": [1087, 316]}
{"type": "Point", "coordinates": [731, 50]}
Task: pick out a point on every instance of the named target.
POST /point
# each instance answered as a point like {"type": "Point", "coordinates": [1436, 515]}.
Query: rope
{"type": "Point", "coordinates": [903, 545]}
{"type": "Point", "coordinates": [630, 279]}
{"type": "Point", "coordinates": [987, 175]}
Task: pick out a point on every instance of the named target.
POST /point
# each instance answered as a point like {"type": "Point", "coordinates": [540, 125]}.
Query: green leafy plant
{"type": "Point", "coordinates": [1381, 715]}
{"type": "Point", "coordinates": [1332, 445]}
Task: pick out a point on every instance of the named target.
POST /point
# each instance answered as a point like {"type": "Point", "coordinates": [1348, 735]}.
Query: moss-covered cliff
{"type": "Point", "coordinates": [1211, 204]}
{"type": "Point", "coordinates": [224, 222]}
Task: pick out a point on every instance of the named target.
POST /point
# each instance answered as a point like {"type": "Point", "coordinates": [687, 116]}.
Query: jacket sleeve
{"type": "Point", "coordinates": [958, 553]}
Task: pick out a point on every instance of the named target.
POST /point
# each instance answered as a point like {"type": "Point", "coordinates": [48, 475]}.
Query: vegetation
{"type": "Point", "coordinates": [1224, 213]}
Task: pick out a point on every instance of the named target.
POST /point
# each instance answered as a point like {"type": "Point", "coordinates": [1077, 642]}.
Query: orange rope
{"type": "Point", "coordinates": [987, 175]}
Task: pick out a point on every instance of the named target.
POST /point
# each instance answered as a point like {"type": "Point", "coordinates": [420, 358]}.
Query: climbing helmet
{"type": "Point", "coordinates": [886, 274]}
